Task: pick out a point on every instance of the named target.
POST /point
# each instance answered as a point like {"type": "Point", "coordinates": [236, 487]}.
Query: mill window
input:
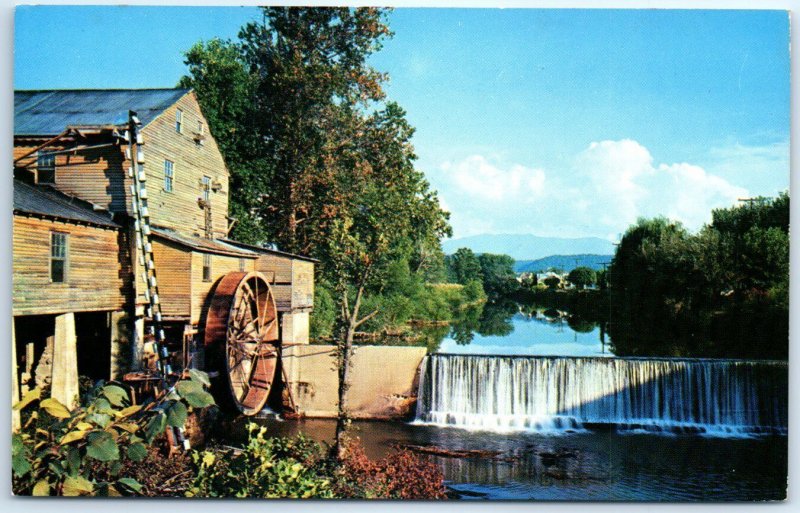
{"type": "Point", "coordinates": [178, 120]}
{"type": "Point", "coordinates": [206, 267]}
{"type": "Point", "coordinates": [58, 257]}
{"type": "Point", "coordinates": [169, 175]}
{"type": "Point", "coordinates": [207, 188]}
{"type": "Point", "coordinates": [45, 168]}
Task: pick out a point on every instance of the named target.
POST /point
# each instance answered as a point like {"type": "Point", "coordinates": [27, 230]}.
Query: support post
{"type": "Point", "coordinates": [119, 342]}
{"type": "Point", "coordinates": [15, 420]}
{"type": "Point", "coordinates": [137, 348]}
{"type": "Point", "coordinates": [65, 361]}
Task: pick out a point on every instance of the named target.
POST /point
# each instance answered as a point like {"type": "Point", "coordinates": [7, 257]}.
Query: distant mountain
{"type": "Point", "coordinates": [530, 247]}
{"type": "Point", "coordinates": [565, 262]}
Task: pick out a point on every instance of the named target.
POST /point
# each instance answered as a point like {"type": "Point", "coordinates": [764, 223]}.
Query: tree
{"type": "Point", "coordinates": [499, 278]}
{"type": "Point", "coordinates": [325, 164]}
{"type": "Point", "coordinates": [552, 282]}
{"type": "Point", "coordinates": [463, 266]}
{"type": "Point", "coordinates": [582, 277]}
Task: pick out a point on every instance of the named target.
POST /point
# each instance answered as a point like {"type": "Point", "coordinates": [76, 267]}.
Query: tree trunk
{"type": "Point", "coordinates": [345, 351]}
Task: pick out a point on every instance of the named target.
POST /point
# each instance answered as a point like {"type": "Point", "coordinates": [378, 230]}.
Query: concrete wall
{"type": "Point", "coordinates": [295, 327]}
{"type": "Point", "coordinates": [383, 384]}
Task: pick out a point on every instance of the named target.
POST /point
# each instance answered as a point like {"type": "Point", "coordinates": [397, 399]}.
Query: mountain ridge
{"type": "Point", "coordinates": [530, 247]}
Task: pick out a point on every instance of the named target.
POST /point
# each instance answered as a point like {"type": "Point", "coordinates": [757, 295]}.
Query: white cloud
{"type": "Point", "coordinates": [608, 186]}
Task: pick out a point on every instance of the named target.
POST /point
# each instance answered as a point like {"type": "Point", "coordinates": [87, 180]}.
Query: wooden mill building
{"type": "Point", "coordinates": [79, 295]}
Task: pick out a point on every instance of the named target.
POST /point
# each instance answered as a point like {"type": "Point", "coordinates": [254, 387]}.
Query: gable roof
{"type": "Point", "coordinates": [202, 244]}
{"type": "Point", "coordinates": [50, 112]}
{"type": "Point", "coordinates": [45, 201]}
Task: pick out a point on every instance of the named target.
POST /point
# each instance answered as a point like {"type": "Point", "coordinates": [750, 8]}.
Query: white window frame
{"type": "Point", "coordinates": [63, 257]}
{"type": "Point", "coordinates": [45, 161]}
{"type": "Point", "coordinates": [169, 175]}
{"type": "Point", "coordinates": [179, 120]}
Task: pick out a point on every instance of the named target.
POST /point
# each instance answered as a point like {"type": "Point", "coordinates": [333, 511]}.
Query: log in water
{"type": "Point", "coordinates": [569, 394]}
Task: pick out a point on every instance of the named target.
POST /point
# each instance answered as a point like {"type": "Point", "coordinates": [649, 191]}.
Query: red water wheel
{"type": "Point", "coordinates": [242, 332]}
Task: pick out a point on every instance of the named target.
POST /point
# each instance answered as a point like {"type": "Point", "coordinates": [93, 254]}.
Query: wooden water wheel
{"type": "Point", "coordinates": [242, 332]}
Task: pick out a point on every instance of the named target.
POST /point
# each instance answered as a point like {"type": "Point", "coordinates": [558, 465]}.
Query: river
{"type": "Point", "coordinates": [567, 420]}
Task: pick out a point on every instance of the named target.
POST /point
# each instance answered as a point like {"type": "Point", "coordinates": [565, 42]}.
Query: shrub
{"type": "Point", "coordinates": [264, 468]}
{"type": "Point", "coordinates": [84, 451]}
{"type": "Point", "coordinates": [400, 475]}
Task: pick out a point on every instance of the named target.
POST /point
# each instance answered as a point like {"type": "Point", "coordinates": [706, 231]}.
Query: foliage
{"type": "Point", "coordinates": [83, 451]}
{"type": "Point", "coordinates": [552, 282]}
{"type": "Point", "coordinates": [463, 267]}
{"type": "Point", "coordinates": [582, 277]}
{"type": "Point", "coordinates": [499, 278]}
{"type": "Point", "coordinates": [323, 317]}
{"type": "Point", "coordinates": [264, 468]}
{"type": "Point", "coordinates": [400, 475]}
{"type": "Point", "coordinates": [718, 293]}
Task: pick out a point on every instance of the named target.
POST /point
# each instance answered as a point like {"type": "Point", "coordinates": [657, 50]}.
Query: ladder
{"type": "Point", "coordinates": [135, 155]}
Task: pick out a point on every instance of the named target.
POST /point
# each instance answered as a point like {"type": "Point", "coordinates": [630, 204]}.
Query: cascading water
{"type": "Point", "coordinates": [569, 394]}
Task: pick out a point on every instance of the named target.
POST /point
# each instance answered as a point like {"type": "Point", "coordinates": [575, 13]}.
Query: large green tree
{"type": "Point", "coordinates": [322, 163]}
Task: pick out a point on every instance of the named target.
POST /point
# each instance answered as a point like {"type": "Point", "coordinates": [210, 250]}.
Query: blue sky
{"type": "Point", "coordinates": [552, 122]}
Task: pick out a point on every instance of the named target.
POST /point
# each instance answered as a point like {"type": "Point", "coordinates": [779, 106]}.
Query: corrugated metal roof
{"type": "Point", "coordinates": [50, 112]}
{"type": "Point", "coordinates": [46, 201]}
{"type": "Point", "coordinates": [259, 249]}
{"type": "Point", "coordinates": [202, 243]}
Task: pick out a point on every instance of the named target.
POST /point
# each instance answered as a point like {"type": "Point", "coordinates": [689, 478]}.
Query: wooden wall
{"type": "Point", "coordinates": [97, 175]}
{"type": "Point", "coordinates": [173, 270]}
{"type": "Point", "coordinates": [179, 209]}
{"type": "Point", "coordinates": [220, 266]}
{"type": "Point", "coordinates": [96, 279]}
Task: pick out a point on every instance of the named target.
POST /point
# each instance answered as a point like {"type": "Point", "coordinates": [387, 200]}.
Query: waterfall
{"type": "Point", "coordinates": [571, 394]}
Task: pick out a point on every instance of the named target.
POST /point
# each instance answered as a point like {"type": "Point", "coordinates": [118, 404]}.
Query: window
{"type": "Point", "coordinates": [178, 120]}
{"type": "Point", "coordinates": [242, 264]}
{"type": "Point", "coordinates": [169, 175]}
{"type": "Point", "coordinates": [200, 128]}
{"type": "Point", "coordinates": [206, 267]}
{"type": "Point", "coordinates": [45, 168]}
{"type": "Point", "coordinates": [58, 257]}
{"type": "Point", "coordinates": [207, 188]}
{"type": "Point", "coordinates": [200, 137]}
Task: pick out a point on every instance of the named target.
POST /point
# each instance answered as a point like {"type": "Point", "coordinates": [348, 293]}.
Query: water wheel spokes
{"type": "Point", "coordinates": [242, 324]}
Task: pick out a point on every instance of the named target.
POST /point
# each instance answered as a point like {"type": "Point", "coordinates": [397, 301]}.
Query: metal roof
{"type": "Point", "coordinates": [260, 249]}
{"type": "Point", "coordinates": [43, 200]}
{"type": "Point", "coordinates": [50, 112]}
{"type": "Point", "coordinates": [202, 243]}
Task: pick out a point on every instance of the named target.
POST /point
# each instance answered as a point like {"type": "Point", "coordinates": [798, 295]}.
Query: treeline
{"type": "Point", "coordinates": [723, 292]}
{"type": "Point", "coordinates": [495, 273]}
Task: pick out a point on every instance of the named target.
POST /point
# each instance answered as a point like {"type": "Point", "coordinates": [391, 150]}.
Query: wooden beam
{"type": "Point", "coordinates": [45, 144]}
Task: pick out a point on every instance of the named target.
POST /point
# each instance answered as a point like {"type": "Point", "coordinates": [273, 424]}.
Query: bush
{"type": "Point", "coordinates": [84, 451]}
{"type": "Point", "coordinates": [265, 468]}
{"type": "Point", "coordinates": [400, 475]}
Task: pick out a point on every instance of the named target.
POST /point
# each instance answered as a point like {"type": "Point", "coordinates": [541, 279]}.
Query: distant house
{"type": "Point", "coordinates": [75, 228]}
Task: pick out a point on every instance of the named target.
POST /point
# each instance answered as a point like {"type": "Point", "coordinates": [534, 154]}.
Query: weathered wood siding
{"type": "Point", "coordinates": [98, 175]}
{"type": "Point", "coordinates": [179, 209]}
{"type": "Point", "coordinates": [293, 282]}
{"type": "Point", "coordinates": [220, 266]}
{"type": "Point", "coordinates": [97, 277]}
{"type": "Point", "coordinates": [173, 268]}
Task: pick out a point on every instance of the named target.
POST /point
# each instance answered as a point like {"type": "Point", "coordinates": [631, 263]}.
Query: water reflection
{"type": "Point", "coordinates": [509, 328]}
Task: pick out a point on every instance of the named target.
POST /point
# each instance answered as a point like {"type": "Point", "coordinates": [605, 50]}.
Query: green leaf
{"type": "Point", "coordinates": [20, 464]}
{"type": "Point", "coordinates": [130, 483]}
{"type": "Point", "coordinates": [102, 405]}
{"type": "Point", "coordinates": [28, 398]}
{"type": "Point", "coordinates": [188, 387]}
{"type": "Point", "coordinates": [176, 415]}
{"type": "Point", "coordinates": [101, 419]}
{"type": "Point", "coordinates": [115, 395]}
{"type": "Point", "coordinates": [137, 452]}
{"type": "Point", "coordinates": [102, 446]}
{"type": "Point", "coordinates": [199, 399]}
{"type": "Point", "coordinates": [156, 426]}
{"type": "Point", "coordinates": [55, 408]}
{"type": "Point", "coordinates": [41, 488]}
{"type": "Point", "coordinates": [74, 461]}
{"type": "Point", "coordinates": [199, 376]}
{"type": "Point", "coordinates": [75, 486]}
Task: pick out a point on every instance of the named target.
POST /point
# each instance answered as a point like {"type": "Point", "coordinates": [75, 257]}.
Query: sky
{"type": "Point", "coordinates": [552, 122]}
